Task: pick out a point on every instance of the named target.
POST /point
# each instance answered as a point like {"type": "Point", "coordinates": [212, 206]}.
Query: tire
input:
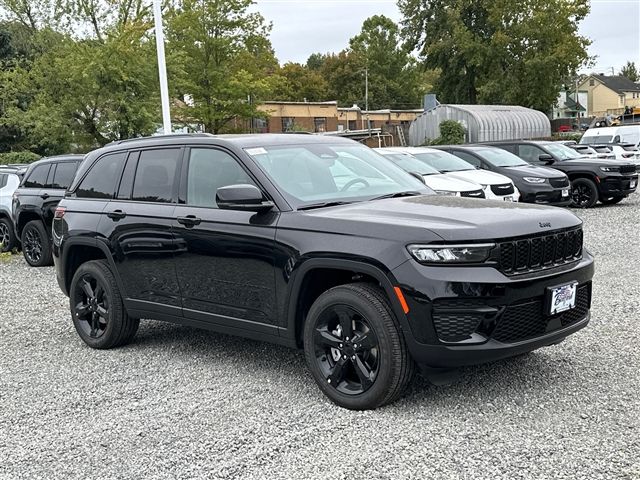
{"type": "Point", "coordinates": [584, 193]}
{"type": "Point", "coordinates": [612, 200]}
{"type": "Point", "coordinates": [36, 246]}
{"type": "Point", "coordinates": [8, 240]}
{"type": "Point", "coordinates": [97, 309]}
{"type": "Point", "coordinates": [338, 361]}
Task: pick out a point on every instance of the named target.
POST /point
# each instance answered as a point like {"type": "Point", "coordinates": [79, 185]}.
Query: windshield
{"type": "Point", "coordinates": [318, 173]}
{"type": "Point", "coordinates": [596, 139]}
{"type": "Point", "coordinates": [562, 152]}
{"type": "Point", "coordinates": [500, 158]}
{"type": "Point", "coordinates": [410, 163]}
{"type": "Point", "coordinates": [443, 161]}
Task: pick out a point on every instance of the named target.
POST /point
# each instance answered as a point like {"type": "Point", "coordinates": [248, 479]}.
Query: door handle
{"type": "Point", "coordinates": [44, 196]}
{"type": "Point", "coordinates": [116, 214]}
{"type": "Point", "coordinates": [189, 220]}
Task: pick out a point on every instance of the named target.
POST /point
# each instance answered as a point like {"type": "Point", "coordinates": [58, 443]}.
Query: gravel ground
{"type": "Point", "coordinates": [184, 403]}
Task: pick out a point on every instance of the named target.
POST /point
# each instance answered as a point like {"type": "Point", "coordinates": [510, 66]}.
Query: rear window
{"type": "Point", "coordinates": [101, 180]}
{"type": "Point", "coordinates": [38, 177]}
{"type": "Point", "coordinates": [64, 174]}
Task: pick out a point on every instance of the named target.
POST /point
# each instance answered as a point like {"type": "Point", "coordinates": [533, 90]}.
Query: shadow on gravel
{"type": "Point", "coordinates": [510, 379]}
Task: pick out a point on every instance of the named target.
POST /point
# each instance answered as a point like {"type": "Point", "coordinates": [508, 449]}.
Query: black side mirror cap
{"type": "Point", "coordinates": [546, 158]}
{"type": "Point", "coordinates": [242, 197]}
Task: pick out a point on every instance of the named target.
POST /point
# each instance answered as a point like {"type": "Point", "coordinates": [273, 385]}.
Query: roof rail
{"type": "Point", "coordinates": [156, 137]}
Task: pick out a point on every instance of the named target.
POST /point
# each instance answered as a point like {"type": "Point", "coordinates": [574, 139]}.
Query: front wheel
{"type": "Point", "coordinates": [36, 247]}
{"type": "Point", "coordinates": [97, 308]}
{"type": "Point", "coordinates": [584, 193]}
{"type": "Point", "coordinates": [355, 349]}
{"type": "Point", "coordinates": [612, 200]}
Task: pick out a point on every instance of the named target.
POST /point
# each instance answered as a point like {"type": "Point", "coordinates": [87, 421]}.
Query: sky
{"type": "Point", "coordinates": [302, 27]}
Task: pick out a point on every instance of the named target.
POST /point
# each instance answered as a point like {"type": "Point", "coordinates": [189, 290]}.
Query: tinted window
{"type": "Point", "coordinates": [126, 184]}
{"type": "Point", "coordinates": [530, 153]}
{"type": "Point", "coordinates": [209, 170]}
{"type": "Point", "coordinates": [102, 179]}
{"type": "Point", "coordinates": [64, 175]}
{"type": "Point", "coordinates": [3, 180]}
{"type": "Point", "coordinates": [155, 175]}
{"type": "Point", "coordinates": [500, 158]}
{"type": "Point", "coordinates": [38, 177]}
{"type": "Point", "coordinates": [467, 157]}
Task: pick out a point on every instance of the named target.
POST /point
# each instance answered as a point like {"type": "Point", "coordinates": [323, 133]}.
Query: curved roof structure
{"type": "Point", "coordinates": [483, 123]}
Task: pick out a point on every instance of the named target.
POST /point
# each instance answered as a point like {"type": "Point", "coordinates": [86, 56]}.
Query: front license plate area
{"type": "Point", "coordinates": [561, 298]}
{"type": "Point", "coordinates": [633, 184]}
{"type": "Point", "coordinates": [565, 192]}
{"type": "Point", "coordinates": [508, 198]}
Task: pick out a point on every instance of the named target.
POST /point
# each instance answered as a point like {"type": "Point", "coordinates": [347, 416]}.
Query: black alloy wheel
{"type": "Point", "coordinates": [584, 193]}
{"type": "Point", "coordinates": [7, 237]}
{"type": "Point", "coordinates": [91, 306]}
{"type": "Point", "coordinates": [32, 246]}
{"type": "Point", "coordinates": [346, 349]}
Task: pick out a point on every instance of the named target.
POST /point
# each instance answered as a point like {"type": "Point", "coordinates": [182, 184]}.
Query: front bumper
{"type": "Point", "coordinates": [468, 315]}
{"type": "Point", "coordinates": [618, 185]}
{"type": "Point", "coordinates": [490, 195]}
{"type": "Point", "coordinates": [544, 194]}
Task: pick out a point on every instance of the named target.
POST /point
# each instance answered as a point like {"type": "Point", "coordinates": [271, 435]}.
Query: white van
{"type": "Point", "coordinates": [621, 134]}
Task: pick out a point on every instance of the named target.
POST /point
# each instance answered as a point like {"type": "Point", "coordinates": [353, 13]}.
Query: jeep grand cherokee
{"type": "Point", "coordinates": [317, 243]}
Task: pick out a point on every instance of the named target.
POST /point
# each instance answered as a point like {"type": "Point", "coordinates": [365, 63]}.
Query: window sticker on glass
{"type": "Point", "coordinates": [256, 151]}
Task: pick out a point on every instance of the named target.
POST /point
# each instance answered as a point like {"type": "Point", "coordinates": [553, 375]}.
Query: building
{"type": "Point", "coordinates": [482, 123]}
{"type": "Point", "coordinates": [609, 95]}
{"type": "Point", "coordinates": [321, 117]}
{"type": "Point", "coordinates": [567, 106]}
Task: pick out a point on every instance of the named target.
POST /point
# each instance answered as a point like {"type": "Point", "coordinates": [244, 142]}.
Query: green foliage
{"type": "Point", "coordinates": [498, 51]}
{"type": "Point", "coordinates": [18, 157]}
{"type": "Point", "coordinates": [297, 83]}
{"type": "Point", "coordinates": [630, 71]}
{"type": "Point", "coordinates": [451, 133]}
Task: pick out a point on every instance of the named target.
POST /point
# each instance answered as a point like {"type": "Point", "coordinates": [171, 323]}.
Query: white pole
{"type": "Point", "coordinates": [162, 67]}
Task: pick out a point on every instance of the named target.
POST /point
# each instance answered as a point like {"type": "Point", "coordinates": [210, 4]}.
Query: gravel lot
{"type": "Point", "coordinates": [183, 403]}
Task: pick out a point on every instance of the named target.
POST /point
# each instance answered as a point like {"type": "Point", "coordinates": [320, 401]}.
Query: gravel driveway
{"type": "Point", "coordinates": [184, 403]}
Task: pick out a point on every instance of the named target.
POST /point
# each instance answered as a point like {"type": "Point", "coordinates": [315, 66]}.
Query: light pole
{"type": "Point", "coordinates": [162, 67]}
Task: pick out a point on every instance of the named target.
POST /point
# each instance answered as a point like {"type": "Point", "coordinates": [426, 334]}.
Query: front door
{"type": "Point", "coordinates": [226, 271]}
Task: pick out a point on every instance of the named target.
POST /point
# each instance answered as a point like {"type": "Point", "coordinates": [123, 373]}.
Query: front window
{"type": "Point", "coordinates": [443, 161]}
{"type": "Point", "coordinates": [411, 164]}
{"type": "Point", "coordinates": [596, 139]}
{"type": "Point", "coordinates": [314, 173]}
{"type": "Point", "coordinates": [562, 152]}
{"type": "Point", "coordinates": [501, 158]}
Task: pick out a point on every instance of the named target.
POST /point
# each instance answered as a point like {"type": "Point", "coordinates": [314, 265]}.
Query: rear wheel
{"type": "Point", "coordinates": [36, 247]}
{"type": "Point", "coordinates": [8, 238]}
{"type": "Point", "coordinates": [584, 193]}
{"type": "Point", "coordinates": [97, 308]}
{"type": "Point", "coordinates": [612, 200]}
{"type": "Point", "coordinates": [355, 349]}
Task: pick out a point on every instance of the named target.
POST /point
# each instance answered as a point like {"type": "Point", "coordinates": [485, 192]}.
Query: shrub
{"type": "Point", "coordinates": [24, 156]}
{"type": "Point", "coordinates": [451, 133]}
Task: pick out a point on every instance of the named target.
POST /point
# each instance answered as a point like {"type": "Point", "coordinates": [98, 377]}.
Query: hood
{"type": "Point", "coordinates": [536, 171]}
{"type": "Point", "coordinates": [416, 219]}
{"type": "Point", "coordinates": [452, 184]}
{"type": "Point", "coordinates": [482, 177]}
{"type": "Point", "coordinates": [591, 162]}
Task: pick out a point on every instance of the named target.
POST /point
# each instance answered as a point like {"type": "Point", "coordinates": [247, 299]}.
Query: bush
{"type": "Point", "coordinates": [18, 157]}
{"type": "Point", "coordinates": [451, 133]}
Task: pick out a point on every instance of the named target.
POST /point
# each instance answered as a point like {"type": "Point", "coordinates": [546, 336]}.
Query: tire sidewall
{"type": "Point", "coordinates": [594, 191]}
{"type": "Point", "coordinates": [45, 247]}
{"type": "Point", "coordinates": [12, 236]}
{"type": "Point", "coordinates": [378, 391]}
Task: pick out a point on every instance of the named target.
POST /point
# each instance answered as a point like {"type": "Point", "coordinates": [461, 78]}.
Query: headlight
{"type": "Point", "coordinates": [443, 254]}
{"type": "Point", "coordinates": [447, 193]}
{"type": "Point", "coordinates": [534, 179]}
{"type": "Point", "coordinates": [610, 169]}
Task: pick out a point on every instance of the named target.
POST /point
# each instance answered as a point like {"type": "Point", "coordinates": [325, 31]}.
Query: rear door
{"type": "Point", "coordinates": [60, 176]}
{"type": "Point", "coordinates": [136, 225]}
{"type": "Point", "coordinates": [226, 272]}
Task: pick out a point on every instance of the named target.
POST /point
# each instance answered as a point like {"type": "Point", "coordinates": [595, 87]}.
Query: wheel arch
{"type": "Point", "coordinates": [333, 272]}
{"type": "Point", "coordinates": [24, 218]}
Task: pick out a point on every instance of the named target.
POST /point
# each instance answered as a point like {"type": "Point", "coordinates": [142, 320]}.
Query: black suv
{"type": "Point", "coordinates": [35, 201]}
{"type": "Point", "coordinates": [317, 243]}
{"type": "Point", "coordinates": [592, 179]}
{"type": "Point", "coordinates": [536, 184]}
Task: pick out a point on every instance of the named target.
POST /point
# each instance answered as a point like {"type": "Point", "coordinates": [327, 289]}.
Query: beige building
{"type": "Point", "coordinates": [609, 94]}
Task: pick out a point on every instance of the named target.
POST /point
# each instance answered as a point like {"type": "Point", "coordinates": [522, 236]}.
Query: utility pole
{"type": "Point", "coordinates": [366, 96]}
{"type": "Point", "coordinates": [162, 67]}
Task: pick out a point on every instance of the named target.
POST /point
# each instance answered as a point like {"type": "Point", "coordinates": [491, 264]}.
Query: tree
{"type": "Point", "coordinates": [630, 71]}
{"type": "Point", "coordinates": [492, 51]}
{"type": "Point", "coordinates": [298, 83]}
{"type": "Point", "coordinates": [223, 49]}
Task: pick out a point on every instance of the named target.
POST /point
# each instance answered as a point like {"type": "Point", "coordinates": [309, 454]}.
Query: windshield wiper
{"type": "Point", "coordinates": [411, 193]}
{"type": "Point", "coordinates": [322, 205]}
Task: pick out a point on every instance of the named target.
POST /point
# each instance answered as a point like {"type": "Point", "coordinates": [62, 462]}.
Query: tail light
{"type": "Point", "coordinates": [59, 213]}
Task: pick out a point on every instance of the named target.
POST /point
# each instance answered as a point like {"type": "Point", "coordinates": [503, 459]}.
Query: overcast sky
{"type": "Point", "coordinates": [302, 27]}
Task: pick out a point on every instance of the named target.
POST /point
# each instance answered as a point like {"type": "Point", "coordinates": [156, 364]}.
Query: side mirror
{"type": "Point", "coordinates": [418, 176]}
{"type": "Point", "coordinates": [546, 159]}
{"type": "Point", "coordinates": [242, 197]}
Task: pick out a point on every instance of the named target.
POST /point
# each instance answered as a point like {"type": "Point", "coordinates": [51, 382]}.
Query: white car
{"type": "Point", "coordinates": [456, 167]}
{"type": "Point", "coordinates": [441, 183]}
